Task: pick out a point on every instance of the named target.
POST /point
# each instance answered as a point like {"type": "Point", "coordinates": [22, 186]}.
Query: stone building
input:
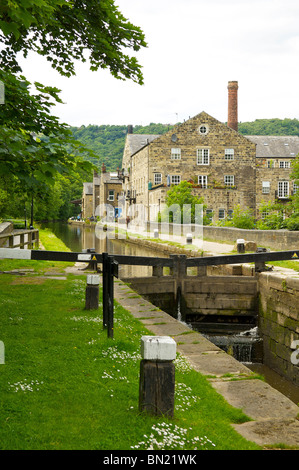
{"type": "Point", "coordinates": [102, 196]}
{"type": "Point", "coordinates": [87, 201]}
{"type": "Point", "coordinates": [226, 168]}
{"type": "Point", "coordinates": [274, 156]}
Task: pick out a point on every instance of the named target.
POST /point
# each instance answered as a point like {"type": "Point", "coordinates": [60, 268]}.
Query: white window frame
{"type": "Point", "coordinates": [175, 154]}
{"type": "Point", "coordinates": [283, 189]}
{"type": "Point", "coordinates": [157, 178]}
{"type": "Point", "coordinates": [175, 179]}
{"type": "Point", "coordinates": [266, 187]}
{"type": "Point", "coordinates": [270, 164]}
{"type": "Point", "coordinates": [295, 188]}
{"type": "Point", "coordinates": [203, 180]}
{"type": "Point", "coordinates": [284, 164]}
{"type": "Point", "coordinates": [203, 156]}
{"type": "Point", "coordinates": [229, 180]}
{"type": "Point", "coordinates": [229, 154]}
{"type": "Point", "coordinates": [111, 195]}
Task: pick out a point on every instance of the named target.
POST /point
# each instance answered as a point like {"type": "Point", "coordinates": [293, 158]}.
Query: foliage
{"type": "Point", "coordinates": [240, 219]}
{"type": "Point", "coordinates": [182, 203]}
{"type": "Point", "coordinates": [107, 141]}
{"type": "Point", "coordinates": [34, 146]}
{"type": "Point", "coordinates": [274, 218]}
{"type": "Point", "coordinates": [270, 127]}
{"type": "Point", "coordinates": [65, 32]}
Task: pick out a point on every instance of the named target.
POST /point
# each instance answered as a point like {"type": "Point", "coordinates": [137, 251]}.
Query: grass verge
{"type": "Point", "coordinates": [65, 385]}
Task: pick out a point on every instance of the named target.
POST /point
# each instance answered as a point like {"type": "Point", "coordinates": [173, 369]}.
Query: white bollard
{"type": "Point", "coordinates": [157, 375]}
{"type": "Point", "coordinates": [92, 292]}
{"type": "Point", "coordinates": [189, 238]}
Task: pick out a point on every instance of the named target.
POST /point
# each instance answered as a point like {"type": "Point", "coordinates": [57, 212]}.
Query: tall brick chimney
{"type": "Point", "coordinates": [232, 118]}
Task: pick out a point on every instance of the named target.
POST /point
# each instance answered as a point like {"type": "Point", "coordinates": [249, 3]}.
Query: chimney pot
{"type": "Point", "coordinates": [232, 118]}
{"type": "Point", "coordinates": [130, 129]}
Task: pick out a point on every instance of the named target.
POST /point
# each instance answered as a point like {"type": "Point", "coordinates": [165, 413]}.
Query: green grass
{"type": "Point", "coordinates": [66, 385]}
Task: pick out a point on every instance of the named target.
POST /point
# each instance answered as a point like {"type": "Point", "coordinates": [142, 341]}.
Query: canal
{"type": "Point", "coordinates": [77, 238]}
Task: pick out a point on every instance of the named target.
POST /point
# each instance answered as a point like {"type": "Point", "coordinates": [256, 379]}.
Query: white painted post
{"type": "Point", "coordinates": [189, 238]}
{"type": "Point", "coordinates": [92, 292]}
{"type": "Point", "coordinates": [157, 375]}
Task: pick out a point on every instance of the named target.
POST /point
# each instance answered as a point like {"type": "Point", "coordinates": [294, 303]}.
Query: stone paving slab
{"type": "Point", "coordinates": [257, 399]}
{"type": "Point", "coordinates": [271, 431]}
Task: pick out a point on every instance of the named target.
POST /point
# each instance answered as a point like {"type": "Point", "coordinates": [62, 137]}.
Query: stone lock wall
{"type": "Point", "coordinates": [278, 322]}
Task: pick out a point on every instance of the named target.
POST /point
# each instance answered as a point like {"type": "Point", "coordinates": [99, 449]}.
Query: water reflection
{"type": "Point", "coordinates": [77, 238]}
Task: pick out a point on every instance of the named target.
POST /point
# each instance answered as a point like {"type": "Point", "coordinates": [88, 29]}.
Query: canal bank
{"type": "Point", "coordinates": [274, 416]}
{"type": "Point", "coordinates": [276, 299]}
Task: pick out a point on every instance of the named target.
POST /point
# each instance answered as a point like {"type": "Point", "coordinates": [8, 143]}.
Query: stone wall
{"type": "Point", "coordinates": [281, 240]}
{"type": "Point", "coordinates": [278, 322]}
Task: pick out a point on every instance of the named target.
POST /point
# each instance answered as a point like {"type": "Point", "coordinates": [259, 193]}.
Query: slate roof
{"type": "Point", "coordinates": [137, 141]}
{"type": "Point", "coordinates": [87, 188]}
{"type": "Point", "coordinates": [275, 146]}
{"type": "Point", "coordinates": [266, 146]}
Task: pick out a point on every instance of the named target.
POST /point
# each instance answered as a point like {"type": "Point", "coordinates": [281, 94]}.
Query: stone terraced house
{"type": "Point", "coordinates": [226, 168]}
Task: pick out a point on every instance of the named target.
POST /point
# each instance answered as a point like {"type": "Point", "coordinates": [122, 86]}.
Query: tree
{"type": "Point", "coordinates": [182, 203]}
{"type": "Point", "coordinates": [34, 146]}
{"type": "Point", "coordinates": [65, 31]}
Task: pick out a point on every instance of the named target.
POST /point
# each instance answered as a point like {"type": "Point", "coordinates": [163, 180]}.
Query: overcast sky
{"type": "Point", "coordinates": [194, 48]}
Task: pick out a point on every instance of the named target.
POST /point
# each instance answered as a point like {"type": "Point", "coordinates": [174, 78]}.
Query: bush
{"type": "Point", "coordinates": [241, 219]}
{"type": "Point", "coordinates": [293, 223]}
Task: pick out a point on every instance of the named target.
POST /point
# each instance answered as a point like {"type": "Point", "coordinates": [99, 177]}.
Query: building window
{"type": "Point", "coordinates": [203, 129]}
{"type": "Point", "coordinates": [270, 164]}
{"type": "Point", "coordinates": [157, 178]}
{"type": "Point", "coordinates": [175, 179]}
{"type": "Point", "coordinates": [221, 214]}
{"type": "Point", "coordinates": [175, 154]}
{"type": "Point", "coordinates": [295, 188]}
{"type": "Point", "coordinates": [111, 195]}
{"type": "Point", "coordinates": [283, 189]}
{"type": "Point", "coordinates": [265, 214]}
{"type": "Point", "coordinates": [229, 154]}
{"type": "Point", "coordinates": [203, 181]}
{"type": "Point", "coordinates": [209, 214]}
{"type": "Point", "coordinates": [229, 180]}
{"type": "Point", "coordinates": [266, 187]}
{"type": "Point", "coordinates": [285, 164]}
{"type": "Point", "coordinates": [230, 214]}
{"type": "Point", "coordinates": [203, 156]}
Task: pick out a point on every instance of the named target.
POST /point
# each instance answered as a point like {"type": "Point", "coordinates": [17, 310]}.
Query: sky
{"type": "Point", "coordinates": [195, 48]}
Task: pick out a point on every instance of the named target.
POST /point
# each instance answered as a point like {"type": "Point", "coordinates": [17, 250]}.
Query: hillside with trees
{"type": "Point", "coordinates": [107, 141]}
{"type": "Point", "coordinates": [270, 127]}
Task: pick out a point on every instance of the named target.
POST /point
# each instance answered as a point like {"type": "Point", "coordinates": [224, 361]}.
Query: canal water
{"type": "Point", "coordinates": [77, 238]}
